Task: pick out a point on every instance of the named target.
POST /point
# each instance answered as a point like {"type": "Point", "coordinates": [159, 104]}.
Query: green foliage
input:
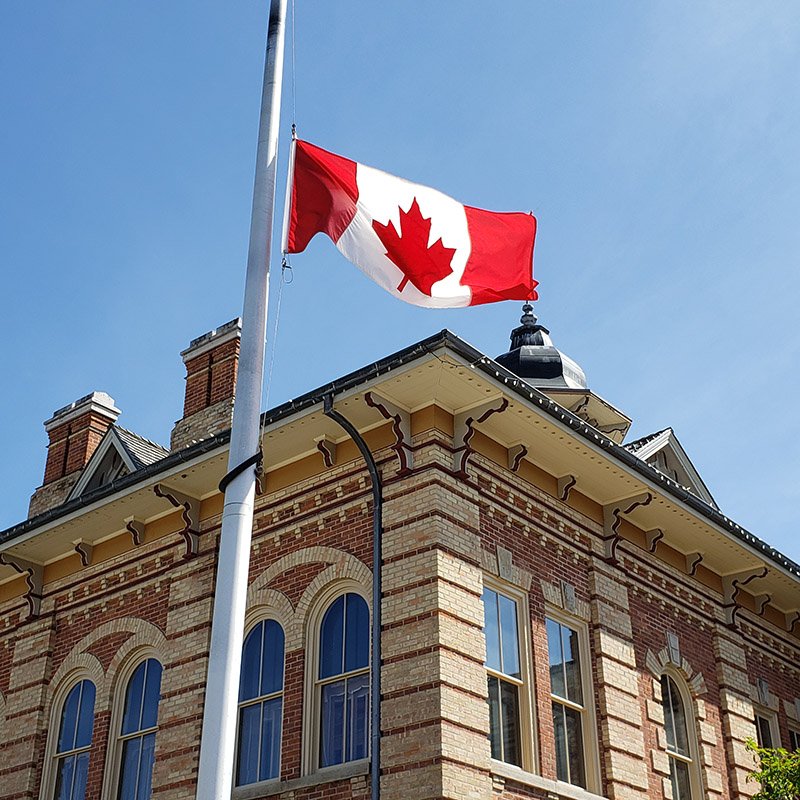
{"type": "Point", "coordinates": [778, 772]}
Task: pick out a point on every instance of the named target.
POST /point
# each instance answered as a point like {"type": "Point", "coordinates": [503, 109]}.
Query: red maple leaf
{"type": "Point", "coordinates": [408, 249]}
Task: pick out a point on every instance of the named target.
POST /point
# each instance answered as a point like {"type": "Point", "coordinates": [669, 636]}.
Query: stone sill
{"type": "Point", "coordinates": [340, 772]}
{"type": "Point", "coordinates": [554, 789]}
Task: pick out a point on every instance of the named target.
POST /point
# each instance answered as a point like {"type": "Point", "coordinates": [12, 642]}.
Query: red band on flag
{"type": "Point", "coordinates": [500, 266]}
{"type": "Point", "coordinates": [327, 185]}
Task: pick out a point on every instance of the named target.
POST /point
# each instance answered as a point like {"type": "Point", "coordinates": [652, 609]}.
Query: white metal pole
{"type": "Point", "coordinates": [218, 741]}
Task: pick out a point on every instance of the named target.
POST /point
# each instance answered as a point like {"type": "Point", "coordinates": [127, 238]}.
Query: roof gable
{"type": "Point", "coordinates": [119, 453]}
{"type": "Point", "coordinates": [664, 452]}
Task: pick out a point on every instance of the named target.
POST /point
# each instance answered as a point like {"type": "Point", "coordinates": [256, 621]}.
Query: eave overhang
{"type": "Point", "coordinates": [448, 371]}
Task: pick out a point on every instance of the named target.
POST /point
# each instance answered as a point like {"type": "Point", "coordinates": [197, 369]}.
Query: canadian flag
{"type": "Point", "coordinates": [417, 243]}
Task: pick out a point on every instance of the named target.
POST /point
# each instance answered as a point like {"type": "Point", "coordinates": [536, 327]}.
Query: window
{"type": "Point", "coordinates": [342, 681]}
{"type": "Point", "coordinates": [569, 708]}
{"type": "Point", "coordinates": [138, 731]}
{"type": "Point", "coordinates": [794, 739]}
{"type": "Point", "coordinates": [74, 741]}
{"type": "Point", "coordinates": [260, 704]}
{"type": "Point", "coordinates": [767, 729]}
{"type": "Point", "coordinates": [504, 675]}
{"type": "Point", "coordinates": [678, 741]}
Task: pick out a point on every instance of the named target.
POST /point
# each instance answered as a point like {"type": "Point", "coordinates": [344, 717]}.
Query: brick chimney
{"type": "Point", "coordinates": [211, 363]}
{"type": "Point", "coordinates": [74, 432]}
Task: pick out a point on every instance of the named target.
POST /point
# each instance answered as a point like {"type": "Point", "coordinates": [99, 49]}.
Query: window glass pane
{"type": "Point", "coordinates": [69, 719]}
{"type": "Point", "coordinates": [356, 651]}
{"type": "Point", "coordinates": [146, 766]}
{"type": "Point", "coordinates": [133, 701]}
{"type": "Point", "coordinates": [272, 674]}
{"type": "Point", "coordinates": [569, 745]}
{"type": "Point", "coordinates": [129, 770]}
{"type": "Point", "coordinates": [577, 775]}
{"type": "Point", "coordinates": [680, 744]}
{"type": "Point", "coordinates": [357, 728]}
{"type": "Point", "coordinates": [794, 740]}
{"type": "Point", "coordinates": [679, 776]}
{"type": "Point", "coordinates": [669, 718]}
{"type": "Point", "coordinates": [65, 770]}
{"type": "Point", "coordinates": [249, 730]}
{"type": "Point", "coordinates": [330, 640]}
{"type": "Point", "coordinates": [560, 734]}
{"type": "Point", "coordinates": [491, 629]}
{"type": "Point", "coordinates": [557, 683]}
{"type": "Point", "coordinates": [152, 694]}
{"type": "Point", "coordinates": [331, 740]}
{"type": "Point", "coordinates": [509, 702]}
{"type": "Point", "coordinates": [83, 737]}
{"type": "Point", "coordinates": [81, 776]}
{"type": "Point", "coordinates": [495, 727]}
{"type": "Point", "coordinates": [572, 664]}
{"type": "Point", "coordinates": [270, 738]}
{"type": "Point", "coordinates": [764, 732]}
{"type": "Point", "coordinates": [251, 663]}
{"type": "Point", "coordinates": [508, 636]}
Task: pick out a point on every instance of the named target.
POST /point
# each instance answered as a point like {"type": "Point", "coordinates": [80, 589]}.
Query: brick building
{"type": "Point", "coordinates": [565, 615]}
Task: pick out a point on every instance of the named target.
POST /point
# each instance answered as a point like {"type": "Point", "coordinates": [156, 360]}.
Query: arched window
{"type": "Point", "coordinates": [260, 704]}
{"type": "Point", "coordinates": [342, 681]}
{"type": "Point", "coordinates": [679, 743]}
{"type": "Point", "coordinates": [74, 741]}
{"type": "Point", "coordinates": [138, 731]}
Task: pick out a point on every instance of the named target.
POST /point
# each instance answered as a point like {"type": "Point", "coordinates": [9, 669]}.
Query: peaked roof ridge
{"type": "Point", "coordinates": [637, 444]}
{"type": "Point", "coordinates": [141, 450]}
{"type": "Point", "coordinates": [139, 437]}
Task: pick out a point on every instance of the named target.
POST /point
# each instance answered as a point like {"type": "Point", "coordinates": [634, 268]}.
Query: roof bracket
{"type": "Point", "coordinates": [135, 527]}
{"type": "Point", "coordinates": [693, 561]}
{"type": "Point", "coordinates": [761, 601]}
{"type": "Point", "coordinates": [653, 537]}
{"type": "Point", "coordinates": [84, 550]}
{"type": "Point", "coordinates": [792, 619]}
{"type": "Point", "coordinates": [190, 514]}
{"type": "Point", "coordinates": [327, 447]}
{"type": "Point", "coordinates": [515, 455]}
{"type": "Point", "coordinates": [464, 430]}
{"type": "Point", "coordinates": [566, 483]}
{"type": "Point", "coordinates": [401, 427]}
{"type": "Point", "coordinates": [612, 519]}
{"type": "Point", "coordinates": [34, 577]}
{"type": "Point", "coordinates": [732, 585]}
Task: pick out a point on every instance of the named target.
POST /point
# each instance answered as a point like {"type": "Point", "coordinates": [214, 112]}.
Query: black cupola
{"type": "Point", "coordinates": [535, 359]}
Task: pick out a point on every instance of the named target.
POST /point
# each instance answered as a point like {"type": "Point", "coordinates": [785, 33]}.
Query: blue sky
{"type": "Point", "coordinates": [658, 144]}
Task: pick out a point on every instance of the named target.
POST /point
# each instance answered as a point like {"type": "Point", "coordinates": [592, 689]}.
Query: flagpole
{"type": "Point", "coordinates": [218, 739]}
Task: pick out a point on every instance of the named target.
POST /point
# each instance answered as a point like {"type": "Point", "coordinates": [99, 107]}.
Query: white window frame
{"type": "Point", "coordinates": [772, 719]}
{"type": "Point", "coordinates": [252, 621]}
{"type": "Point", "coordinates": [48, 783]}
{"type": "Point", "coordinates": [312, 691]}
{"type": "Point", "coordinates": [794, 731]}
{"type": "Point", "coordinates": [115, 739]}
{"type": "Point", "coordinates": [690, 714]}
{"type": "Point", "coordinates": [591, 751]}
{"type": "Point", "coordinates": [527, 714]}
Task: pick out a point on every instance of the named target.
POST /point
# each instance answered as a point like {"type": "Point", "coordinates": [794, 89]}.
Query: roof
{"type": "Point", "coordinates": [673, 461]}
{"type": "Point", "coordinates": [142, 451]}
{"type": "Point", "coordinates": [476, 360]}
{"type": "Point", "coordinates": [639, 444]}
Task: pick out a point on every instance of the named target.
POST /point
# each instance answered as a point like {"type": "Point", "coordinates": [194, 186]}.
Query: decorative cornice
{"type": "Point", "coordinates": [190, 514]}
{"type": "Point", "coordinates": [612, 518]}
{"type": "Point", "coordinates": [464, 430]}
{"type": "Point", "coordinates": [401, 427]}
{"type": "Point", "coordinates": [34, 578]}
